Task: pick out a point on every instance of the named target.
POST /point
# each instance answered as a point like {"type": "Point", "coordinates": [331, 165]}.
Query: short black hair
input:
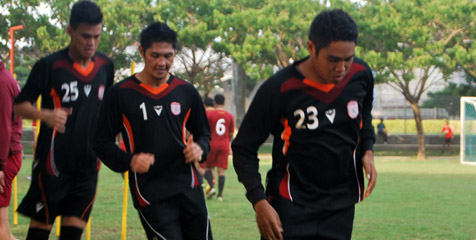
{"type": "Point", "coordinates": [219, 99]}
{"type": "Point", "coordinates": [157, 32]}
{"type": "Point", "coordinates": [208, 102]}
{"type": "Point", "coordinates": [85, 12]}
{"type": "Point", "coordinates": [330, 26]}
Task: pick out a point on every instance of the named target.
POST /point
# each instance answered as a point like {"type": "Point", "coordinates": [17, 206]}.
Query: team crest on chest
{"type": "Point", "coordinates": [87, 89]}
{"type": "Point", "coordinates": [353, 109]}
{"type": "Point", "coordinates": [101, 92]}
{"type": "Point", "coordinates": [175, 108]}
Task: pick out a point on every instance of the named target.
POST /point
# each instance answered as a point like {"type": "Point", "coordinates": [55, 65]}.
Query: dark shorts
{"type": "Point", "coordinates": [448, 140]}
{"type": "Point", "coordinates": [66, 195]}
{"type": "Point", "coordinates": [184, 216]}
{"type": "Point", "coordinates": [217, 158]}
{"type": "Point", "coordinates": [10, 170]}
{"type": "Point", "coordinates": [299, 222]}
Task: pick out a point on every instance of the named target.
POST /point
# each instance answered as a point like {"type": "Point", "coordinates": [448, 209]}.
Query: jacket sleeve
{"type": "Point", "coordinates": [6, 100]}
{"type": "Point", "coordinates": [367, 133]}
{"type": "Point", "coordinates": [109, 126]}
{"type": "Point", "coordinates": [254, 130]}
{"type": "Point", "coordinates": [37, 83]}
{"type": "Point", "coordinates": [197, 124]}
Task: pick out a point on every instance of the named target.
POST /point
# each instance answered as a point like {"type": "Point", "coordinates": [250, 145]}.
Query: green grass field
{"type": "Point", "coordinates": [432, 199]}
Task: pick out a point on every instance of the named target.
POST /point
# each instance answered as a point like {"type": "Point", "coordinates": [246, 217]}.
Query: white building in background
{"type": "Point", "coordinates": [390, 103]}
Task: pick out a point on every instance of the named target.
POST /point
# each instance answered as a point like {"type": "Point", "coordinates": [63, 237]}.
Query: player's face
{"type": "Point", "coordinates": [332, 63]}
{"type": "Point", "coordinates": [85, 39]}
{"type": "Point", "coordinates": [158, 59]}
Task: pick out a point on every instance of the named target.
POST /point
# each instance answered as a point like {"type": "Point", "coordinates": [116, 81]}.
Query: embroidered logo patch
{"type": "Point", "coordinates": [353, 109]}
{"type": "Point", "coordinates": [175, 107]}
{"type": "Point", "coordinates": [101, 92]}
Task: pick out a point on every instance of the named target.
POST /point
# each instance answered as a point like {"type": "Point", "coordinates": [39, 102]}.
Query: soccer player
{"type": "Point", "coordinates": [153, 110]}
{"type": "Point", "coordinates": [318, 111]}
{"type": "Point", "coordinates": [10, 146]}
{"type": "Point", "coordinates": [72, 83]}
{"type": "Point", "coordinates": [449, 135]}
{"type": "Point", "coordinates": [222, 126]}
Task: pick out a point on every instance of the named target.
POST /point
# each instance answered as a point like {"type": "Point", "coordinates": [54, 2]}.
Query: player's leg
{"type": "Point", "coordinates": [221, 182]}
{"type": "Point", "coordinates": [10, 170]}
{"type": "Point", "coordinates": [4, 226]}
{"type": "Point", "coordinates": [195, 221]}
{"type": "Point", "coordinates": [162, 219]}
{"type": "Point", "coordinates": [77, 205]}
{"type": "Point", "coordinates": [222, 165]}
{"type": "Point", "coordinates": [72, 228]}
{"type": "Point", "coordinates": [209, 174]}
{"type": "Point", "coordinates": [40, 203]}
{"type": "Point", "coordinates": [306, 223]}
{"type": "Point", "coordinates": [38, 230]}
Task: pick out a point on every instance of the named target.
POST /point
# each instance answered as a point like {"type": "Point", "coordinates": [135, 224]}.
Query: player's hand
{"type": "Point", "coordinates": [141, 162]}
{"type": "Point", "coordinates": [56, 118]}
{"type": "Point", "coordinates": [370, 171]}
{"type": "Point", "coordinates": [2, 181]}
{"type": "Point", "coordinates": [193, 152]}
{"type": "Point", "coordinates": [268, 221]}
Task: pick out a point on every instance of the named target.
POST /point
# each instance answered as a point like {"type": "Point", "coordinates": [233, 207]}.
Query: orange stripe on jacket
{"type": "Point", "coordinates": [183, 126]}
{"type": "Point", "coordinates": [128, 127]}
{"type": "Point", "coordinates": [286, 135]}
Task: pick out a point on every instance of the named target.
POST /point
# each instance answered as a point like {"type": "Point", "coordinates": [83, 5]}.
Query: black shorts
{"type": "Point", "coordinates": [448, 140]}
{"type": "Point", "coordinates": [183, 216]}
{"type": "Point", "coordinates": [299, 222]}
{"type": "Point", "coordinates": [66, 195]}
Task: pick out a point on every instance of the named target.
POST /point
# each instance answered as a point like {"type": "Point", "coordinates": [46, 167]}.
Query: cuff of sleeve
{"type": "Point", "coordinates": [367, 145]}
{"type": "Point", "coordinates": [256, 195]}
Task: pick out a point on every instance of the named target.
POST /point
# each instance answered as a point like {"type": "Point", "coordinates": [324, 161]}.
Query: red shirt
{"type": "Point", "coordinates": [10, 127]}
{"type": "Point", "coordinates": [221, 125]}
{"type": "Point", "coordinates": [448, 131]}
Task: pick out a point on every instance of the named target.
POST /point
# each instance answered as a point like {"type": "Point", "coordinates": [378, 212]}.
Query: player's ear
{"type": "Point", "coordinates": [69, 30]}
{"type": "Point", "coordinates": [141, 51]}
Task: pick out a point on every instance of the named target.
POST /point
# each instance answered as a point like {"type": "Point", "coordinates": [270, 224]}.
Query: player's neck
{"type": "Point", "coordinates": [151, 81]}
{"type": "Point", "coordinates": [219, 106]}
{"type": "Point", "coordinates": [306, 68]}
{"type": "Point", "coordinates": [83, 62]}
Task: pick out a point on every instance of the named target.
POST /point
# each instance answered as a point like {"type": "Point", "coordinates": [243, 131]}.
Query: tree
{"type": "Point", "coordinates": [263, 36]}
{"type": "Point", "coordinates": [403, 45]}
{"type": "Point", "coordinates": [45, 32]}
{"type": "Point", "coordinates": [197, 62]}
{"type": "Point", "coordinates": [449, 98]}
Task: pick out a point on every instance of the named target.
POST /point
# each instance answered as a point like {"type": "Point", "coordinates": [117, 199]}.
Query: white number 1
{"type": "Point", "coordinates": [144, 111]}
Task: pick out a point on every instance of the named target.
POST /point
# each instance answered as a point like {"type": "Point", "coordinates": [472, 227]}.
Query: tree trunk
{"type": "Point", "coordinates": [238, 88]}
{"type": "Point", "coordinates": [421, 135]}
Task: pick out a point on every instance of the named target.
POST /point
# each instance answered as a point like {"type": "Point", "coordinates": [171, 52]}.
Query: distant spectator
{"type": "Point", "coordinates": [382, 131]}
{"type": "Point", "coordinates": [448, 131]}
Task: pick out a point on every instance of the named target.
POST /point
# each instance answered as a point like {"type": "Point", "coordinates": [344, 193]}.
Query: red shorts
{"type": "Point", "coordinates": [217, 158]}
{"type": "Point", "coordinates": [10, 170]}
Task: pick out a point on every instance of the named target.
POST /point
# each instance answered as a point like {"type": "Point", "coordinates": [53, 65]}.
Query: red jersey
{"type": "Point", "coordinates": [221, 125]}
{"type": "Point", "coordinates": [448, 131]}
{"type": "Point", "coordinates": [10, 125]}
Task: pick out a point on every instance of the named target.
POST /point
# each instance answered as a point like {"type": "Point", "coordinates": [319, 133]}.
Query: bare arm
{"type": "Point", "coordinates": [53, 118]}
